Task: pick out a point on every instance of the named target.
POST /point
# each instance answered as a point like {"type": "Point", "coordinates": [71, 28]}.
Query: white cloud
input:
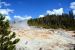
{"type": "Point", "coordinates": [73, 12]}
{"type": "Point", "coordinates": [72, 5]}
{"type": "Point", "coordinates": [6, 11]}
{"type": "Point", "coordinates": [41, 16]}
{"type": "Point", "coordinates": [50, 12]}
{"type": "Point", "coordinates": [7, 18]}
{"type": "Point", "coordinates": [22, 18]}
{"type": "Point", "coordinates": [55, 11]}
{"type": "Point", "coordinates": [18, 17]}
{"type": "Point", "coordinates": [4, 4]}
{"type": "Point", "coordinates": [28, 17]}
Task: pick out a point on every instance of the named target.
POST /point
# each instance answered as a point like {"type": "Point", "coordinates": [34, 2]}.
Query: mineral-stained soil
{"type": "Point", "coordinates": [42, 39]}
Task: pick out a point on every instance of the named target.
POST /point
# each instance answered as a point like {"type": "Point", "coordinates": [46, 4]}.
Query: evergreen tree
{"type": "Point", "coordinates": [7, 41]}
{"type": "Point", "coordinates": [64, 21]}
{"type": "Point", "coordinates": [71, 14]}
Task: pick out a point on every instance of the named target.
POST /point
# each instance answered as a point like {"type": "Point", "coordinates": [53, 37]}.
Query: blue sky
{"type": "Point", "coordinates": [34, 8]}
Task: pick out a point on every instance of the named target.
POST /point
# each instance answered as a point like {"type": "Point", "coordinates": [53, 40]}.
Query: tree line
{"type": "Point", "coordinates": [64, 21]}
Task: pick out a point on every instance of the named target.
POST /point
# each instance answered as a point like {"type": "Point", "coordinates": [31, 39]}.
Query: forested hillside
{"type": "Point", "coordinates": [65, 21]}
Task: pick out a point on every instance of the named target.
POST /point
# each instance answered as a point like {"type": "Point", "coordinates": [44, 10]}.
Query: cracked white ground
{"type": "Point", "coordinates": [45, 39]}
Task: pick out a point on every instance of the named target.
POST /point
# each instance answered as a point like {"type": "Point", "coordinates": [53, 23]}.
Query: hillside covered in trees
{"type": "Point", "coordinates": [65, 21]}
